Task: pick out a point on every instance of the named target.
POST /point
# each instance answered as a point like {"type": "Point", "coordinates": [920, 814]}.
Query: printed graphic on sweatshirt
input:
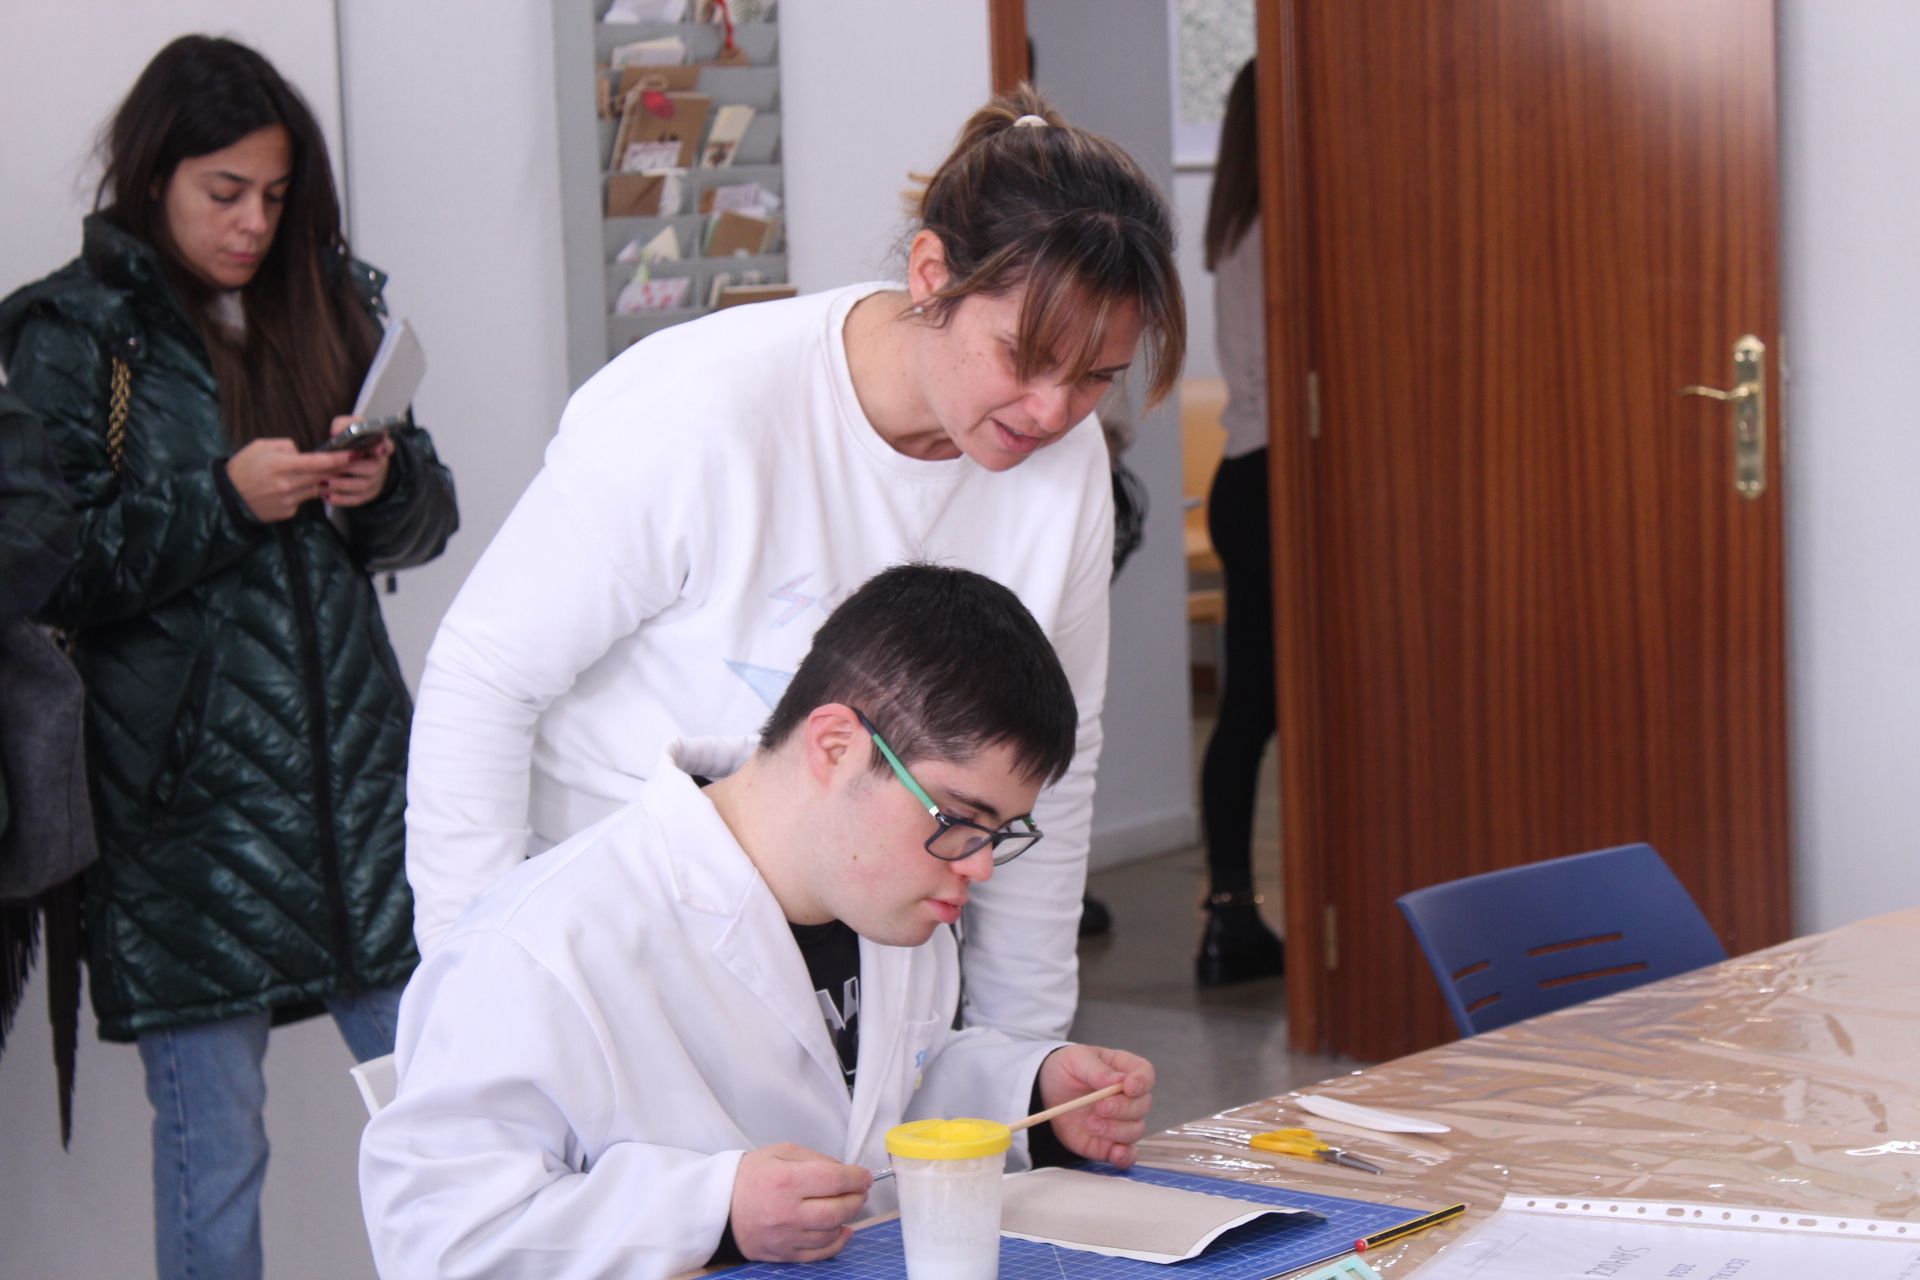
{"type": "Point", "coordinates": [793, 600]}
{"type": "Point", "coordinates": [767, 684]}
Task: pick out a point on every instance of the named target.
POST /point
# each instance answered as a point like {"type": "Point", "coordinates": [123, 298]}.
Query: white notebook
{"type": "Point", "coordinates": [394, 376]}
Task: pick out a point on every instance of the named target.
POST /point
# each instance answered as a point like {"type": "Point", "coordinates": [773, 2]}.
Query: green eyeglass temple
{"type": "Point", "coordinates": [1019, 841]}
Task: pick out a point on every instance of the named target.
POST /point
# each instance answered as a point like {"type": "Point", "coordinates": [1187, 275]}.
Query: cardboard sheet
{"type": "Point", "coordinates": [1122, 1218]}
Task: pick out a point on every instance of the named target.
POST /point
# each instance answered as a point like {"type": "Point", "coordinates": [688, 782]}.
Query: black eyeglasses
{"type": "Point", "coordinates": [957, 838]}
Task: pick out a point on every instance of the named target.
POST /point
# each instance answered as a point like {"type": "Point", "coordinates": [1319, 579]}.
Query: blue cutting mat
{"type": "Point", "coordinates": [1263, 1248]}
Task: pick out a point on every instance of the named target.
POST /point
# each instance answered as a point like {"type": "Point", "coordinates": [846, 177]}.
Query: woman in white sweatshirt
{"type": "Point", "coordinates": [714, 491]}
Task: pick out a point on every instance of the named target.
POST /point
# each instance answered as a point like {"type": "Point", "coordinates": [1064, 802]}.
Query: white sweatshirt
{"type": "Point", "coordinates": [1240, 339]}
{"type": "Point", "coordinates": [710, 495]}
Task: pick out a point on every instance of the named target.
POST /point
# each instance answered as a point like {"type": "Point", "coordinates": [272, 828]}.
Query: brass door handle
{"type": "Point", "coordinates": [1740, 392]}
{"type": "Point", "coordinates": [1748, 400]}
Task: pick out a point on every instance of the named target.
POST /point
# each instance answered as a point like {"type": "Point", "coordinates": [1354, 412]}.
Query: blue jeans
{"type": "Point", "coordinates": [210, 1140]}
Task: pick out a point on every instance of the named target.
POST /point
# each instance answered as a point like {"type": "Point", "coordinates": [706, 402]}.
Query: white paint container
{"type": "Point", "coordinates": [948, 1173]}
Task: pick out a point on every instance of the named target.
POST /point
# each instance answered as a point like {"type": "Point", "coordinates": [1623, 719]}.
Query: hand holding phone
{"type": "Point", "coordinates": [363, 451]}
{"type": "Point", "coordinates": [360, 435]}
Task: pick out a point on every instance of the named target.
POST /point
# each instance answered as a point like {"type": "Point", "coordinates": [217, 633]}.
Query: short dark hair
{"type": "Point", "coordinates": [946, 663]}
{"type": "Point", "coordinates": [1066, 220]}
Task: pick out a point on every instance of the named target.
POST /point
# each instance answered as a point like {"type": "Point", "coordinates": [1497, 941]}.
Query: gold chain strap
{"type": "Point", "coordinates": [117, 403]}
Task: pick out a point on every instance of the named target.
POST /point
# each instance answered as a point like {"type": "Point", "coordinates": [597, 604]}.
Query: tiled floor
{"type": "Point", "coordinates": [1211, 1049]}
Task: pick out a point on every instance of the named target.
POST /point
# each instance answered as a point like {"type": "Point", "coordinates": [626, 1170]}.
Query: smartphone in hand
{"type": "Point", "coordinates": [360, 435]}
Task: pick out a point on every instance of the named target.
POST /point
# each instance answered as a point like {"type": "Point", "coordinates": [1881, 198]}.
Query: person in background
{"type": "Point", "coordinates": [1236, 945]}
{"type": "Point", "coordinates": [246, 717]}
{"type": "Point", "coordinates": [680, 1038]}
{"type": "Point", "coordinates": [714, 491]}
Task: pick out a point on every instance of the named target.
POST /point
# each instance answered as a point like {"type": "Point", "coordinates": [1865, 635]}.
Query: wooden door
{"type": "Point", "coordinates": [1522, 610]}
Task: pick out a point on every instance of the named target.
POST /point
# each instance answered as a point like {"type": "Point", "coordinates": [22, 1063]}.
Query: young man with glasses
{"type": "Point", "coordinates": [681, 1036]}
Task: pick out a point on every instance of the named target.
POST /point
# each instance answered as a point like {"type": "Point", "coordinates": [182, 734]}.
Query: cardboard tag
{"type": "Point", "coordinates": [735, 233]}
{"type": "Point", "coordinates": [635, 195]}
{"type": "Point", "coordinates": [735, 295]}
{"type": "Point", "coordinates": [685, 126]}
{"type": "Point", "coordinates": [617, 82]}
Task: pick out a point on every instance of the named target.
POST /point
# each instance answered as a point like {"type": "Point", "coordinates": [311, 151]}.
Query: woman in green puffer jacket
{"type": "Point", "coordinates": [247, 721]}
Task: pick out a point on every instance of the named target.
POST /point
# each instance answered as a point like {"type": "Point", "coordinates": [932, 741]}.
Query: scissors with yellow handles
{"type": "Point", "coordinates": [1304, 1144]}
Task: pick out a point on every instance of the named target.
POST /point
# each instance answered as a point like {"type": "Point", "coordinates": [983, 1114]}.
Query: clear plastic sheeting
{"type": "Point", "coordinates": [1789, 1078]}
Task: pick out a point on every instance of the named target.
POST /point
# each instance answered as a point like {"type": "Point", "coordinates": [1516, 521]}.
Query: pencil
{"type": "Point", "coordinates": [1392, 1234]}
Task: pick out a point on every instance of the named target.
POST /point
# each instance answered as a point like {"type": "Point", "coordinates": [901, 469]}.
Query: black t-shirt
{"type": "Point", "coordinates": [832, 953]}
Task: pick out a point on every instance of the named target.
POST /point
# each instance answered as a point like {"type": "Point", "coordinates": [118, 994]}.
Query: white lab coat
{"type": "Point", "coordinates": [608, 1030]}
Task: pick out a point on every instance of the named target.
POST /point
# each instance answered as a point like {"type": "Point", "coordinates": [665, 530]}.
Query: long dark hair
{"type": "Point", "coordinates": [1235, 201]}
{"type": "Point", "coordinates": [1069, 219]}
{"type": "Point", "coordinates": [307, 341]}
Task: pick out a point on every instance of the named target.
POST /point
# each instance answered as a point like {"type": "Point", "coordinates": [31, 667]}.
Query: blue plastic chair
{"type": "Point", "coordinates": [1526, 940]}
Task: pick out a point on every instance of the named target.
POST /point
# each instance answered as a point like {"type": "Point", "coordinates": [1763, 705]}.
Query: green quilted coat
{"type": "Point", "coordinates": [247, 722]}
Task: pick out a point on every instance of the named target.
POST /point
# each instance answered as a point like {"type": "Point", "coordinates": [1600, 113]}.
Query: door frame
{"type": "Point", "coordinates": [1287, 232]}
{"type": "Point", "coordinates": [1007, 43]}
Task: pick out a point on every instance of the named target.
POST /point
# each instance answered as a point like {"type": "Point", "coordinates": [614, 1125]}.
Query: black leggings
{"type": "Point", "coordinates": [1230, 773]}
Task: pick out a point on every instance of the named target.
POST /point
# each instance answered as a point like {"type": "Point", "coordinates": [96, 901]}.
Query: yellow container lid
{"type": "Point", "coordinates": [948, 1139]}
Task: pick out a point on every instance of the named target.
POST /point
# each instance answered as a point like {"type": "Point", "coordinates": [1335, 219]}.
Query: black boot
{"type": "Point", "coordinates": [1236, 945]}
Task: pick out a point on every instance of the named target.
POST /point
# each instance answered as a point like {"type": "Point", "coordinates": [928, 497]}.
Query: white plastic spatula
{"type": "Point", "coordinates": [1367, 1117]}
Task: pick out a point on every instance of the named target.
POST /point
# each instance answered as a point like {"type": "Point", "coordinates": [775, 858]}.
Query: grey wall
{"type": "Point", "coordinates": [1104, 64]}
{"type": "Point", "coordinates": [1851, 185]}
{"type": "Point", "coordinates": [863, 107]}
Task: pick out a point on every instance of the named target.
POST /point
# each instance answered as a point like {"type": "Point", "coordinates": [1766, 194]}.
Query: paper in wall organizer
{"type": "Point", "coordinates": [732, 233]}
{"type": "Point", "coordinates": [665, 51]}
{"type": "Point", "coordinates": [637, 11]}
{"type": "Point", "coordinates": [617, 84]}
{"type": "Point", "coordinates": [643, 195]}
{"type": "Point", "coordinates": [729, 127]}
{"type": "Point", "coordinates": [1534, 1236]}
{"type": "Point", "coordinates": [739, 295]}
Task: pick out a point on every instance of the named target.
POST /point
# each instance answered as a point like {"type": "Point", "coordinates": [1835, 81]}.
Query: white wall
{"type": "Point", "coordinates": [1851, 177]}
{"type": "Point", "coordinates": [454, 189]}
{"type": "Point", "coordinates": [870, 90]}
